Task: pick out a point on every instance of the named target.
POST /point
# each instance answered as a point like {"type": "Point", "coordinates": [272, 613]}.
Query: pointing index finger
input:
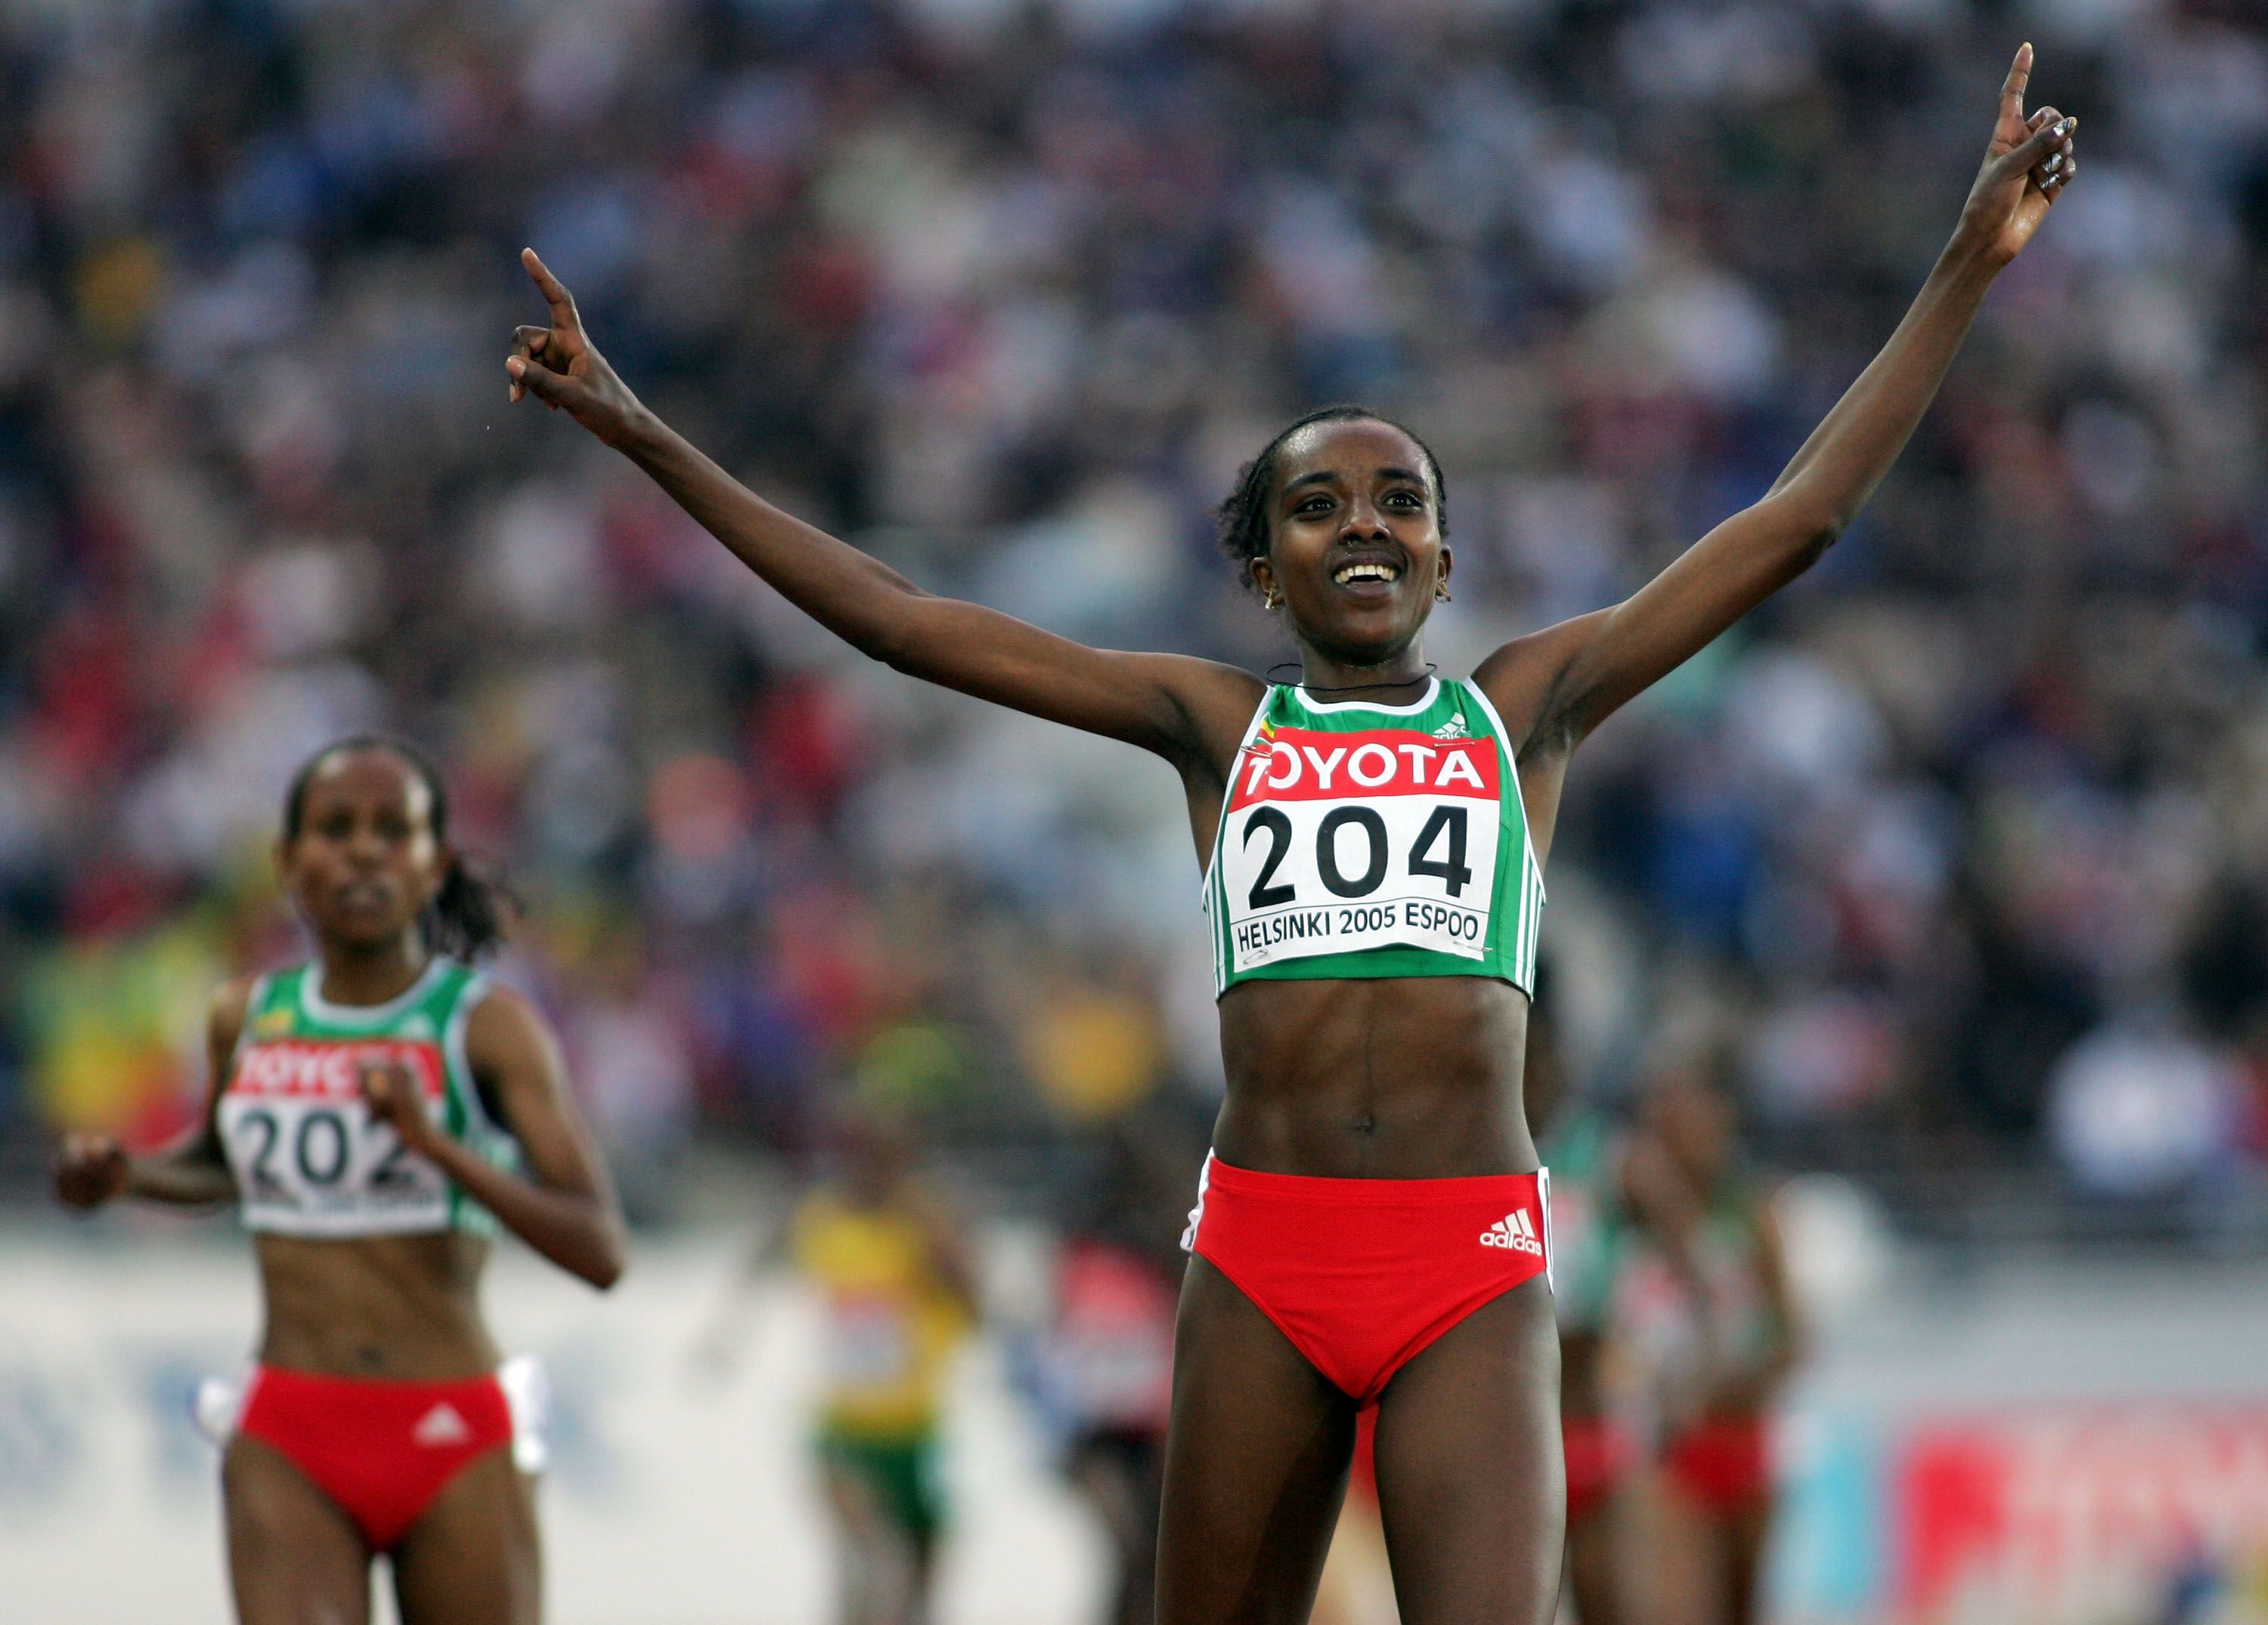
{"type": "Point", "coordinates": [2012, 88]}
{"type": "Point", "coordinates": [554, 291]}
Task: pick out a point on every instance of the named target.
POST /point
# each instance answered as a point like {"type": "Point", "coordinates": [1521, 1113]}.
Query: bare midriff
{"type": "Point", "coordinates": [403, 1307]}
{"type": "Point", "coordinates": [1389, 1078]}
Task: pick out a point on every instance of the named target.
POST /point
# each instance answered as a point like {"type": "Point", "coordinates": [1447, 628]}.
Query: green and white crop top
{"type": "Point", "coordinates": [309, 1160]}
{"type": "Point", "coordinates": [1363, 840]}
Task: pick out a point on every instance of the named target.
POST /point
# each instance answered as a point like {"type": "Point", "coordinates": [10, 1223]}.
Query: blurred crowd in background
{"type": "Point", "coordinates": [1957, 854]}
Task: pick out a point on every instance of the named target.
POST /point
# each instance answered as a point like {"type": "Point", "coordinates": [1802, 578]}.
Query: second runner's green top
{"type": "Point", "coordinates": [309, 1157]}
{"type": "Point", "coordinates": [1366, 840]}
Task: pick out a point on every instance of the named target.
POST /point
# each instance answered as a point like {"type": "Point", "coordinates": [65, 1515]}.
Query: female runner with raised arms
{"type": "Point", "coordinates": [1371, 1227]}
{"type": "Point", "coordinates": [367, 1109]}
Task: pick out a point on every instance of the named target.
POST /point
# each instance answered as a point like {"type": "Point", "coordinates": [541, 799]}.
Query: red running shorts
{"type": "Point", "coordinates": [381, 1450]}
{"type": "Point", "coordinates": [1363, 1275]}
{"type": "Point", "coordinates": [1724, 1463]}
{"type": "Point", "coordinates": [1600, 1454]}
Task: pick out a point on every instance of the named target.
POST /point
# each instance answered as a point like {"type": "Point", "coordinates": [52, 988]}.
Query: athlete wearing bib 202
{"type": "Point", "coordinates": [309, 1160]}
{"type": "Point", "coordinates": [376, 1115]}
{"type": "Point", "coordinates": [1363, 840]}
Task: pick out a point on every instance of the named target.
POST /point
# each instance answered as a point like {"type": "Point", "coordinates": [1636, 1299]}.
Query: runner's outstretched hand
{"type": "Point", "coordinates": [559, 366]}
{"type": "Point", "coordinates": [2027, 166]}
{"type": "Point", "coordinates": [91, 1171]}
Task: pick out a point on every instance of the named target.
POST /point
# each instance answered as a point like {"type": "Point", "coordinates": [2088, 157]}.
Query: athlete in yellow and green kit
{"type": "Point", "coordinates": [890, 1269]}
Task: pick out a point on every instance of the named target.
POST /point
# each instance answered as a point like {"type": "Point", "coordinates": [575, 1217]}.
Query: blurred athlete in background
{"type": "Point", "coordinates": [371, 1111]}
{"type": "Point", "coordinates": [1716, 1215]}
{"type": "Point", "coordinates": [1371, 1227]}
{"type": "Point", "coordinates": [1111, 1357]}
{"type": "Point", "coordinates": [892, 1270]}
{"type": "Point", "coordinates": [1579, 1142]}
{"type": "Point", "coordinates": [1101, 1371]}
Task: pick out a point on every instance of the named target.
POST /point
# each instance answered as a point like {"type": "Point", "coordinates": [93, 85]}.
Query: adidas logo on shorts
{"type": "Point", "coordinates": [442, 1426]}
{"type": "Point", "coordinates": [1513, 1231]}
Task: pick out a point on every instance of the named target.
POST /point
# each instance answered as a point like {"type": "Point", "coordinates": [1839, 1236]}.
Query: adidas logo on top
{"type": "Point", "coordinates": [1513, 1230]}
{"type": "Point", "coordinates": [442, 1426]}
{"type": "Point", "coordinates": [1454, 729]}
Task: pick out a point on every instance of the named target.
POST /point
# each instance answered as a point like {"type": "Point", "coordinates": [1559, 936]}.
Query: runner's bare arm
{"type": "Point", "coordinates": [1778, 1294]}
{"type": "Point", "coordinates": [1752, 1381]}
{"type": "Point", "coordinates": [949, 1251]}
{"type": "Point", "coordinates": [1556, 686]}
{"type": "Point", "coordinates": [567, 1211]}
{"type": "Point", "coordinates": [716, 1352]}
{"type": "Point", "coordinates": [1180, 707]}
{"type": "Point", "coordinates": [192, 1172]}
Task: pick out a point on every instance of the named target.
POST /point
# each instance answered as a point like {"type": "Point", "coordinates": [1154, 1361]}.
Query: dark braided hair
{"type": "Point", "coordinates": [1245, 532]}
{"type": "Point", "coordinates": [466, 919]}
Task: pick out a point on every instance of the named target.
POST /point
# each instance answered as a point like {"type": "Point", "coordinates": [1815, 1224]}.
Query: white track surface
{"type": "Point", "coordinates": [681, 1500]}
{"type": "Point", "coordinates": [677, 1499]}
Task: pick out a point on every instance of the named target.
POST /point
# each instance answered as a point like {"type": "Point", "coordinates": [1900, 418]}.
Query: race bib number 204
{"type": "Point", "coordinates": [1341, 842]}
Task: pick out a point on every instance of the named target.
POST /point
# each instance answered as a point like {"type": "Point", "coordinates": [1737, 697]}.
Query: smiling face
{"type": "Point", "coordinates": [364, 863]}
{"type": "Point", "coordinates": [1355, 553]}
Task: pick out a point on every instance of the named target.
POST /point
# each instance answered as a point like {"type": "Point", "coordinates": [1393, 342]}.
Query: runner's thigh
{"type": "Point", "coordinates": [294, 1557]}
{"type": "Point", "coordinates": [1471, 1480]}
{"type": "Point", "coordinates": [473, 1558]}
{"type": "Point", "coordinates": [1256, 1465]}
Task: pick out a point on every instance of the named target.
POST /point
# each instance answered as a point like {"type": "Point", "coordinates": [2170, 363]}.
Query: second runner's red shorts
{"type": "Point", "coordinates": [382, 1450]}
{"type": "Point", "coordinates": [1363, 1275]}
{"type": "Point", "coordinates": [1599, 1455]}
{"type": "Point", "coordinates": [1723, 1462]}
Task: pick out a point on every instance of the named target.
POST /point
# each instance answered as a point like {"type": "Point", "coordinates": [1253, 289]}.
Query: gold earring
{"type": "Point", "coordinates": [1269, 600]}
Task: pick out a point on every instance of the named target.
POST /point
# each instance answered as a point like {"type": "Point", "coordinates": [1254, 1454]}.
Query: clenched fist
{"type": "Point", "coordinates": [91, 1171]}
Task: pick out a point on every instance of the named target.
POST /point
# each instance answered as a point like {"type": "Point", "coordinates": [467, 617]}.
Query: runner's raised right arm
{"type": "Point", "coordinates": [1184, 709]}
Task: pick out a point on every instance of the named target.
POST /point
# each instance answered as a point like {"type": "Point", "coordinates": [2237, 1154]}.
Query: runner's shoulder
{"type": "Point", "coordinates": [230, 1006]}
{"type": "Point", "coordinates": [1216, 701]}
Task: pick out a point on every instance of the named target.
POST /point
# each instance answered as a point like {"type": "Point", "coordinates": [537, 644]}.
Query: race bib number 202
{"type": "Point", "coordinates": [1341, 842]}
{"type": "Point", "coordinates": [303, 1143]}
